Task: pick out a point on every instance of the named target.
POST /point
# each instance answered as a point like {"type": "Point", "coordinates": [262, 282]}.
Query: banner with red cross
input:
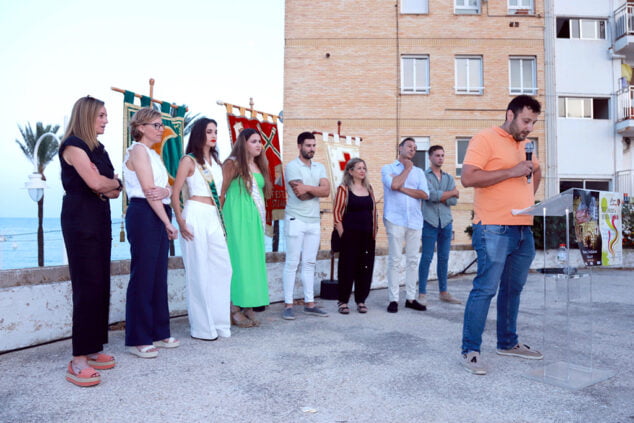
{"type": "Point", "coordinates": [340, 149]}
{"type": "Point", "coordinates": [266, 125]}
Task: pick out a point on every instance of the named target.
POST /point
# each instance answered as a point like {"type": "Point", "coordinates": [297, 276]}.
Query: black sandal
{"type": "Point", "coordinates": [343, 308]}
{"type": "Point", "coordinates": [361, 308]}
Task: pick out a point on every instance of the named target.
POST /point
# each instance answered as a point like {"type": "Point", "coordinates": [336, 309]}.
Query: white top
{"type": "Point", "coordinates": [132, 185]}
{"type": "Point", "coordinates": [305, 210]}
{"type": "Point", "coordinates": [198, 185]}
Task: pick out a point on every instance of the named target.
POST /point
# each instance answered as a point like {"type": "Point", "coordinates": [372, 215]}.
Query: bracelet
{"type": "Point", "coordinates": [120, 187]}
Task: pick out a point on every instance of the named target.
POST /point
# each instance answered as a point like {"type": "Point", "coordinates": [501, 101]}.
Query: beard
{"type": "Point", "coordinates": [307, 154]}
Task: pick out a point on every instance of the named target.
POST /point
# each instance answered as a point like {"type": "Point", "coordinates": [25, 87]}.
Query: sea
{"type": "Point", "coordinates": [18, 242]}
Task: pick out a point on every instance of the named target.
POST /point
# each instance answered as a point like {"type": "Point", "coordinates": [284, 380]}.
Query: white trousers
{"type": "Point", "coordinates": [207, 272]}
{"type": "Point", "coordinates": [397, 236]}
{"type": "Point", "coordinates": [302, 239]}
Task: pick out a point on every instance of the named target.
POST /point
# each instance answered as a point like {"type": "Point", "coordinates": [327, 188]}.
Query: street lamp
{"type": "Point", "coordinates": [35, 185]}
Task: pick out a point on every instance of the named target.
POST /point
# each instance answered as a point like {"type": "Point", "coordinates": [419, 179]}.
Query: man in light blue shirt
{"type": "Point", "coordinates": [404, 186]}
{"type": "Point", "coordinates": [306, 182]}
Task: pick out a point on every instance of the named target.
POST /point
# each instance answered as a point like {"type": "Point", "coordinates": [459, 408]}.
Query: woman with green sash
{"type": "Point", "coordinates": [245, 187]}
{"type": "Point", "coordinates": [203, 244]}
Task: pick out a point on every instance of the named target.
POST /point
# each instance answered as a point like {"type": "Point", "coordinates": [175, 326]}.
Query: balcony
{"type": "Point", "coordinates": [625, 111]}
{"type": "Point", "coordinates": [624, 30]}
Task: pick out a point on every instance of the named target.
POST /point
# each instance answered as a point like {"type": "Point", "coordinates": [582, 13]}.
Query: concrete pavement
{"type": "Point", "coordinates": [377, 367]}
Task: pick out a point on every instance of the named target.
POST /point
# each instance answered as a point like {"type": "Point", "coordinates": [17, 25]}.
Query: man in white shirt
{"type": "Point", "coordinates": [404, 187]}
{"type": "Point", "coordinates": [306, 182]}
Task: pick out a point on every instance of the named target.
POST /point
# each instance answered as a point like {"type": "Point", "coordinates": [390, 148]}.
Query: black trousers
{"type": "Point", "coordinates": [87, 232]}
{"type": "Point", "coordinates": [356, 264]}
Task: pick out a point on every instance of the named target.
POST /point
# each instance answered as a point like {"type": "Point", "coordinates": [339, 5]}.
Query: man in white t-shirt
{"type": "Point", "coordinates": [306, 182]}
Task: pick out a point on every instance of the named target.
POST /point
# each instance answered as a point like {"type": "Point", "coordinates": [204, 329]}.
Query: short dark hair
{"type": "Point", "coordinates": [518, 103]}
{"type": "Point", "coordinates": [305, 136]}
{"type": "Point", "coordinates": [434, 148]}
{"type": "Point", "coordinates": [405, 140]}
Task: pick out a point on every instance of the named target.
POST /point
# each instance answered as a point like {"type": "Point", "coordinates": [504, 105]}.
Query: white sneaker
{"type": "Point", "coordinates": [472, 363]}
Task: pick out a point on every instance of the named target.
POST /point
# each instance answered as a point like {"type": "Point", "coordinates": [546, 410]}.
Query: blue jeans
{"type": "Point", "coordinates": [505, 254]}
{"type": "Point", "coordinates": [431, 235]}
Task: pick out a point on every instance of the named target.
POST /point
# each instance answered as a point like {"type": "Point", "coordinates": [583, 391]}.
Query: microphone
{"type": "Point", "coordinates": [529, 147]}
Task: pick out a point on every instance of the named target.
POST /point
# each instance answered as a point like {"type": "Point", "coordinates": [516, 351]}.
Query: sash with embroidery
{"type": "Point", "coordinates": [205, 171]}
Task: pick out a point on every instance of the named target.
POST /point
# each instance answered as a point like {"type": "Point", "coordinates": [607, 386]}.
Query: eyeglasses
{"type": "Point", "coordinates": [156, 126]}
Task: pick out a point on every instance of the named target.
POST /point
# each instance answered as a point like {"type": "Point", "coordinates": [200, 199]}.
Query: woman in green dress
{"type": "Point", "coordinates": [246, 186]}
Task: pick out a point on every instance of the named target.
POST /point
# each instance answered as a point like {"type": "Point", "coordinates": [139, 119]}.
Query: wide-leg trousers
{"type": "Point", "coordinates": [147, 312]}
{"type": "Point", "coordinates": [356, 264]}
{"type": "Point", "coordinates": [207, 272]}
{"type": "Point", "coordinates": [87, 236]}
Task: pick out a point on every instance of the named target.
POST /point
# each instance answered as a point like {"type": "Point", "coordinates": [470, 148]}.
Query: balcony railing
{"type": "Point", "coordinates": [625, 101]}
{"type": "Point", "coordinates": [624, 21]}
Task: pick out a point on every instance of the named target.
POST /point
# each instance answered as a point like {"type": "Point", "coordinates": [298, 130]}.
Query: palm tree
{"type": "Point", "coordinates": [46, 152]}
{"type": "Point", "coordinates": [189, 120]}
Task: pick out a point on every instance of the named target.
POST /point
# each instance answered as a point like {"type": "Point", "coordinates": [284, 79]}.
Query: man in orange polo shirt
{"type": "Point", "coordinates": [495, 165]}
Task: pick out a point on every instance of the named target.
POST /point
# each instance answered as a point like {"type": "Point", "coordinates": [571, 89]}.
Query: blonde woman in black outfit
{"type": "Point", "coordinates": [355, 219]}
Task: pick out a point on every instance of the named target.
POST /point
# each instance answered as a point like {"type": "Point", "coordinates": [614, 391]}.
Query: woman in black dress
{"type": "Point", "coordinates": [355, 219]}
{"type": "Point", "coordinates": [90, 182]}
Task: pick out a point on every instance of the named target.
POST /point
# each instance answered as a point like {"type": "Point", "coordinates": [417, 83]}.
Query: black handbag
{"type": "Point", "coordinates": [335, 241]}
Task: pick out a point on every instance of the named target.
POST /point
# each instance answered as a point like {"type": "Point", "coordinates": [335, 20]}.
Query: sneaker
{"type": "Point", "coordinates": [448, 298]}
{"type": "Point", "coordinates": [415, 305]}
{"type": "Point", "coordinates": [315, 311]}
{"type": "Point", "coordinates": [392, 307]}
{"type": "Point", "coordinates": [523, 351]}
{"type": "Point", "coordinates": [288, 313]}
{"type": "Point", "coordinates": [422, 298]}
{"type": "Point", "coordinates": [472, 363]}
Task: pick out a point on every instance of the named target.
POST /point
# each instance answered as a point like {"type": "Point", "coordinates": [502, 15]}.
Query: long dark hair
{"type": "Point", "coordinates": [239, 155]}
{"type": "Point", "coordinates": [198, 139]}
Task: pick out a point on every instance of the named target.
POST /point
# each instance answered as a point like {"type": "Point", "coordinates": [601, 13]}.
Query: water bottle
{"type": "Point", "coordinates": [562, 255]}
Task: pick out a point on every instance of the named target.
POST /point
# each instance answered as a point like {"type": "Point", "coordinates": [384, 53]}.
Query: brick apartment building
{"type": "Point", "coordinates": [436, 70]}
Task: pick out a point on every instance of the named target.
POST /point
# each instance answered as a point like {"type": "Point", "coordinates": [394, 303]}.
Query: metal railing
{"type": "Point", "coordinates": [624, 181]}
{"type": "Point", "coordinates": [625, 100]}
{"type": "Point", "coordinates": [624, 21]}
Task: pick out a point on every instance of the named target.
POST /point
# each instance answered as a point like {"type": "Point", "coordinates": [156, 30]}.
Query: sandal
{"type": "Point", "coordinates": [148, 351]}
{"type": "Point", "coordinates": [85, 378]}
{"type": "Point", "coordinates": [242, 322]}
{"type": "Point", "coordinates": [101, 361]}
{"type": "Point", "coordinates": [361, 308]}
{"type": "Point", "coordinates": [170, 342]}
{"type": "Point", "coordinates": [343, 308]}
{"type": "Point", "coordinates": [250, 314]}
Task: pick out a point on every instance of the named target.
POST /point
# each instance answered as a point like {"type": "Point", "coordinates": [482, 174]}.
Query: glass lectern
{"type": "Point", "coordinates": [568, 312]}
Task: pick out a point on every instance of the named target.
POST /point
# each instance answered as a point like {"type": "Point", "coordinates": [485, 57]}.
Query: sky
{"type": "Point", "coordinates": [197, 51]}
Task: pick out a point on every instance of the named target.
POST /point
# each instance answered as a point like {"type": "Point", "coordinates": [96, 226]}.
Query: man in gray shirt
{"type": "Point", "coordinates": [437, 225]}
{"type": "Point", "coordinates": [306, 182]}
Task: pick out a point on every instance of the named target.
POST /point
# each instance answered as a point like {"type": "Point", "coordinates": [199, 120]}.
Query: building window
{"type": "Point", "coordinates": [421, 158]}
{"type": "Point", "coordinates": [469, 75]}
{"type": "Point", "coordinates": [583, 29]}
{"type": "Point", "coordinates": [467, 7]}
{"type": "Point", "coordinates": [414, 6]}
{"type": "Point", "coordinates": [415, 74]}
{"type": "Point", "coordinates": [597, 185]}
{"type": "Point", "coordinates": [461, 150]}
{"type": "Point", "coordinates": [523, 75]}
{"type": "Point", "coordinates": [521, 7]}
{"type": "Point", "coordinates": [583, 108]}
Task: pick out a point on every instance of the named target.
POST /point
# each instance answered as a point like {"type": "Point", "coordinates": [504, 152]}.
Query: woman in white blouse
{"type": "Point", "coordinates": [149, 228]}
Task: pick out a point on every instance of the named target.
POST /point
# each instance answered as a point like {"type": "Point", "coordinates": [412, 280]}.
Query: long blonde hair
{"type": "Point", "coordinates": [82, 121]}
{"type": "Point", "coordinates": [347, 179]}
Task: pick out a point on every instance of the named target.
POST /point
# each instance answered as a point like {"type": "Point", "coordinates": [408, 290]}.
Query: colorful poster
{"type": "Point", "coordinates": [270, 138]}
{"type": "Point", "coordinates": [585, 206]}
{"type": "Point", "coordinates": [610, 228]}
